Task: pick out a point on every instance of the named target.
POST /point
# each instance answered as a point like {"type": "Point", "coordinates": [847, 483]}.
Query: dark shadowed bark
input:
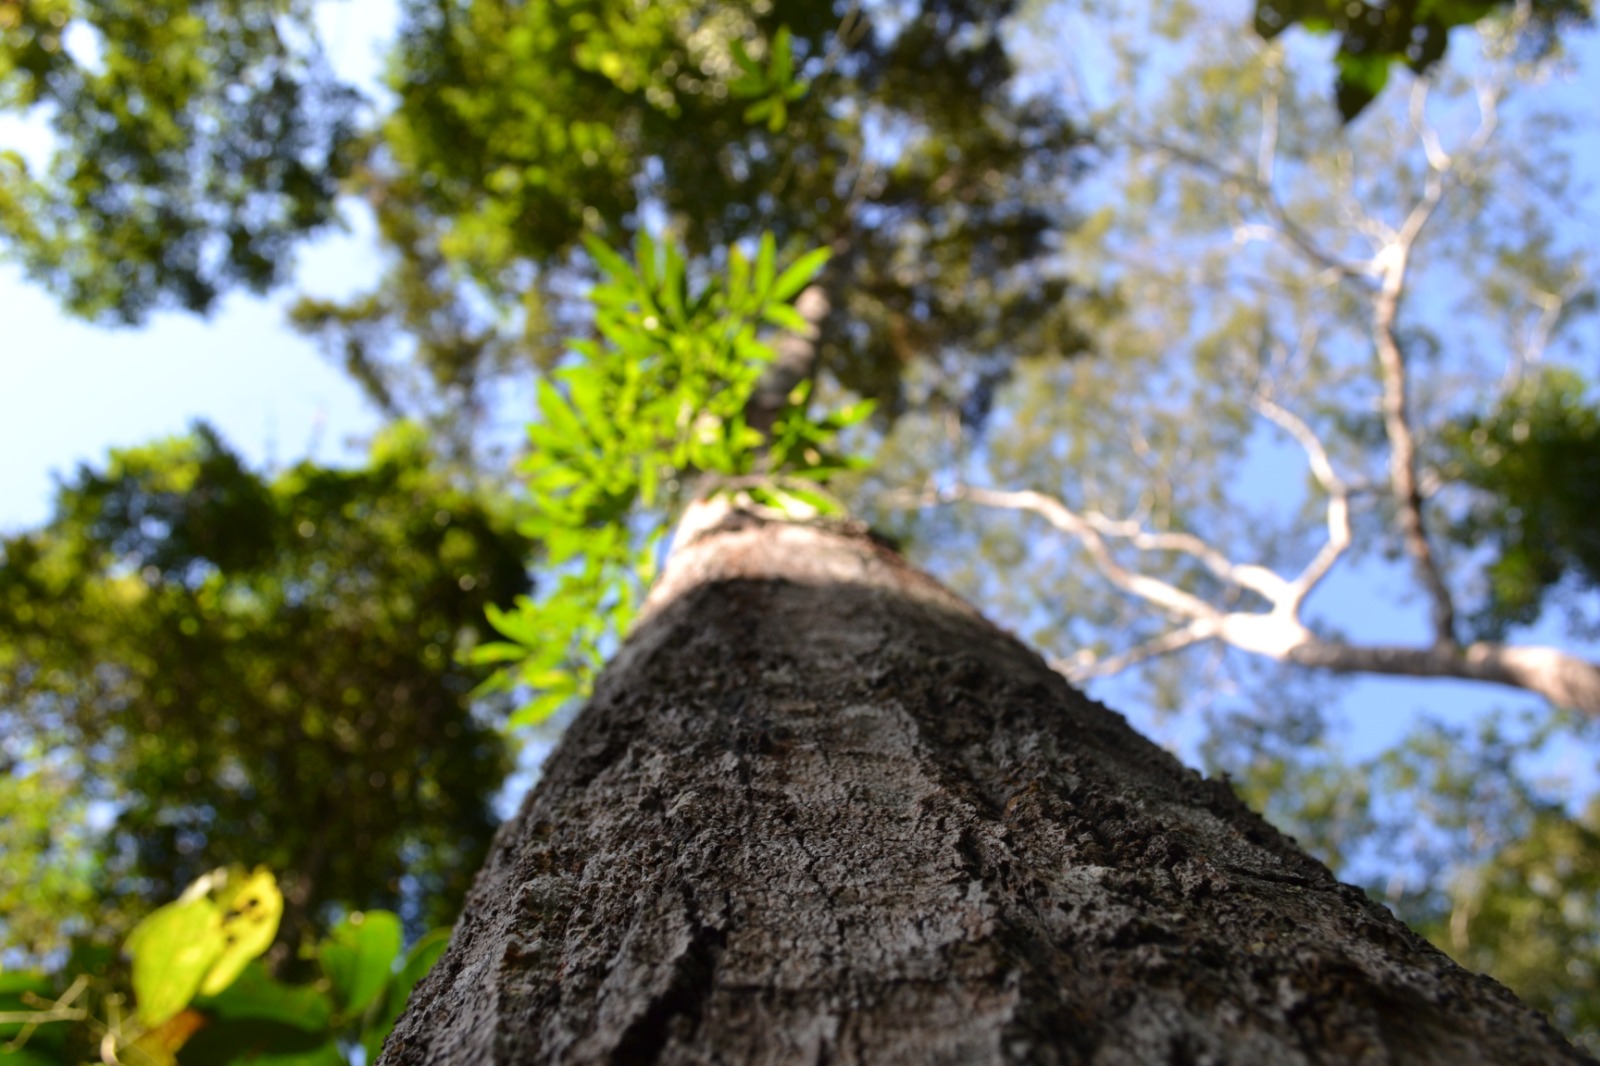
{"type": "Point", "coordinates": [819, 810]}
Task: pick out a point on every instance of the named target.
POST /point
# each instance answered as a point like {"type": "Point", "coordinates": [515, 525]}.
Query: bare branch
{"type": "Point", "coordinates": [1530, 353]}
{"type": "Point", "coordinates": [1393, 263]}
{"type": "Point", "coordinates": [1267, 153]}
{"type": "Point", "coordinates": [1086, 667]}
{"type": "Point", "coordinates": [1339, 533]}
{"type": "Point", "coordinates": [1245, 575]}
{"type": "Point", "coordinates": [1152, 590]}
{"type": "Point", "coordinates": [1284, 226]}
{"type": "Point", "coordinates": [1563, 679]}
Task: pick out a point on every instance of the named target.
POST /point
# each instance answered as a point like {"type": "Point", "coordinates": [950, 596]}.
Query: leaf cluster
{"type": "Point", "coordinates": [194, 143]}
{"type": "Point", "coordinates": [897, 136]}
{"type": "Point", "coordinates": [655, 403]}
{"type": "Point", "coordinates": [1374, 35]}
{"type": "Point", "coordinates": [217, 666]}
{"type": "Point", "coordinates": [203, 998]}
{"type": "Point", "coordinates": [1534, 461]}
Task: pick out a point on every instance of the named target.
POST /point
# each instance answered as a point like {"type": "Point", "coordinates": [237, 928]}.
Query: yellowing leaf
{"type": "Point", "coordinates": [250, 905]}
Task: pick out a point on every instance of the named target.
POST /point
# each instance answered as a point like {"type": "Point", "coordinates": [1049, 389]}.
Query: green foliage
{"type": "Point", "coordinates": [771, 87]}
{"type": "Point", "coordinates": [656, 402]}
{"type": "Point", "coordinates": [356, 957]}
{"type": "Point", "coordinates": [1453, 828]}
{"type": "Point", "coordinates": [195, 142]}
{"type": "Point", "coordinates": [1374, 35]}
{"type": "Point", "coordinates": [1534, 460]}
{"type": "Point", "coordinates": [365, 980]}
{"type": "Point", "coordinates": [1530, 916]}
{"type": "Point", "coordinates": [897, 135]}
{"type": "Point", "coordinates": [203, 1000]}
{"type": "Point", "coordinates": [226, 667]}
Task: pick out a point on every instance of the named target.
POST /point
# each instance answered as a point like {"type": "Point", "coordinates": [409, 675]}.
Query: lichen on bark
{"type": "Point", "coordinates": [820, 810]}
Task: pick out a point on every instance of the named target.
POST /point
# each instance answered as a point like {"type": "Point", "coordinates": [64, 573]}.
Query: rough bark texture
{"type": "Point", "coordinates": [819, 810]}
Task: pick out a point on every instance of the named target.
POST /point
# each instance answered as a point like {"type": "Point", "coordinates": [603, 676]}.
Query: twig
{"type": "Point", "coordinates": [1339, 533]}
{"type": "Point", "coordinates": [1175, 640]}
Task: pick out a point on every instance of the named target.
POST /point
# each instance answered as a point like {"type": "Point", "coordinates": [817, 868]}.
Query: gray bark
{"type": "Point", "coordinates": [819, 810]}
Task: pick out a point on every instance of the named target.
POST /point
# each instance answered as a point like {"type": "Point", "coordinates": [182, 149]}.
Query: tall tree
{"type": "Point", "coordinates": [820, 810]}
{"type": "Point", "coordinates": [1376, 304]}
{"type": "Point", "coordinates": [227, 667]}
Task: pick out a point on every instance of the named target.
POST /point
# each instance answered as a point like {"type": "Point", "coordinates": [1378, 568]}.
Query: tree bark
{"type": "Point", "coordinates": [819, 810]}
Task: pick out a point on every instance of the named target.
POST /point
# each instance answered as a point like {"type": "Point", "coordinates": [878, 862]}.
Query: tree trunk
{"type": "Point", "coordinates": [819, 810]}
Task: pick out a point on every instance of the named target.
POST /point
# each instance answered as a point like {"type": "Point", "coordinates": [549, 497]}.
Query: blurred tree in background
{"type": "Point", "coordinates": [197, 142]}
{"type": "Point", "coordinates": [1308, 347]}
{"type": "Point", "coordinates": [202, 665]}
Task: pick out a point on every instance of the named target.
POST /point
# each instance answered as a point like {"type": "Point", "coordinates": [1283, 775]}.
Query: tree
{"type": "Point", "coordinates": [523, 127]}
{"type": "Point", "coordinates": [820, 809]}
{"type": "Point", "coordinates": [1226, 441]}
{"type": "Point", "coordinates": [1312, 311]}
{"type": "Point", "coordinates": [896, 137]}
{"type": "Point", "coordinates": [195, 144]}
{"type": "Point", "coordinates": [205, 665]}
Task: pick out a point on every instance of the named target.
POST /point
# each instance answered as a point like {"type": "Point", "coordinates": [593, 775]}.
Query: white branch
{"type": "Point", "coordinates": [1339, 534]}
{"type": "Point", "coordinates": [1150, 589]}
{"type": "Point", "coordinates": [1086, 666]}
{"type": "Point", "coordinates": [1245, 575]}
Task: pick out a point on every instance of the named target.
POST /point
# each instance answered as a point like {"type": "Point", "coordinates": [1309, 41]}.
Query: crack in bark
{"type": "Point", "coordinates": [694, 976]}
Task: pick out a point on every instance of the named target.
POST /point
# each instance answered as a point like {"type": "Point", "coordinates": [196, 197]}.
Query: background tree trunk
{"type": "Point", "coordinates": [819, 810]}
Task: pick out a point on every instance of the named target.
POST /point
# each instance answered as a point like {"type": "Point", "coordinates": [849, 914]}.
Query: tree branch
{"type": "Point", "coordinates": [1392, 264]}
{"type": "Point", "coordinates": [1339, 534]}
{"type": "Point", "coordinates": [1085, 665]}
{"type": "Point", "coordinates": [1152, 590]}
{"type": "Point", "coordinates": [1284, 225]}
{"type": "Point", "coordinates": [1563, 679]}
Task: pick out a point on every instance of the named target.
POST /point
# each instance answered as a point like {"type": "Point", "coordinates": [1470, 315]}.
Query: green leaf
{"type": "Point", "coordinates": [558, 415]}
{"type": "Point", "coordinates": [539, 709]}
{"type": "Point", "coordinates": [742, 57]}
{"type": "Point", "coordinates": [766, 265]}
{"type": "Point", "coordinates": [358, 957]}
{"type": "Point", "coordinates": [423, 954]}
{"type": "Point", "coordinates": [799, 274]}
{"type": "Point", "coordinates": [172, 949]}
{"type": "Point", "coordinates": [785, 317]}
{"type": "Point", "coordinates": [1361, 79]}
{"type": "Point", "coordinates": [854, 414]}
{"type": "Point", "coordinates": [820, 502]}
{"type": "Point", "coordinates": [782, 66]}
{"type": "Point", "coordinates": [17, 982]}
{"type": "Point", "coordinates": [610, 263]}
{"type": "Point", "coordinates": [255, 994]}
